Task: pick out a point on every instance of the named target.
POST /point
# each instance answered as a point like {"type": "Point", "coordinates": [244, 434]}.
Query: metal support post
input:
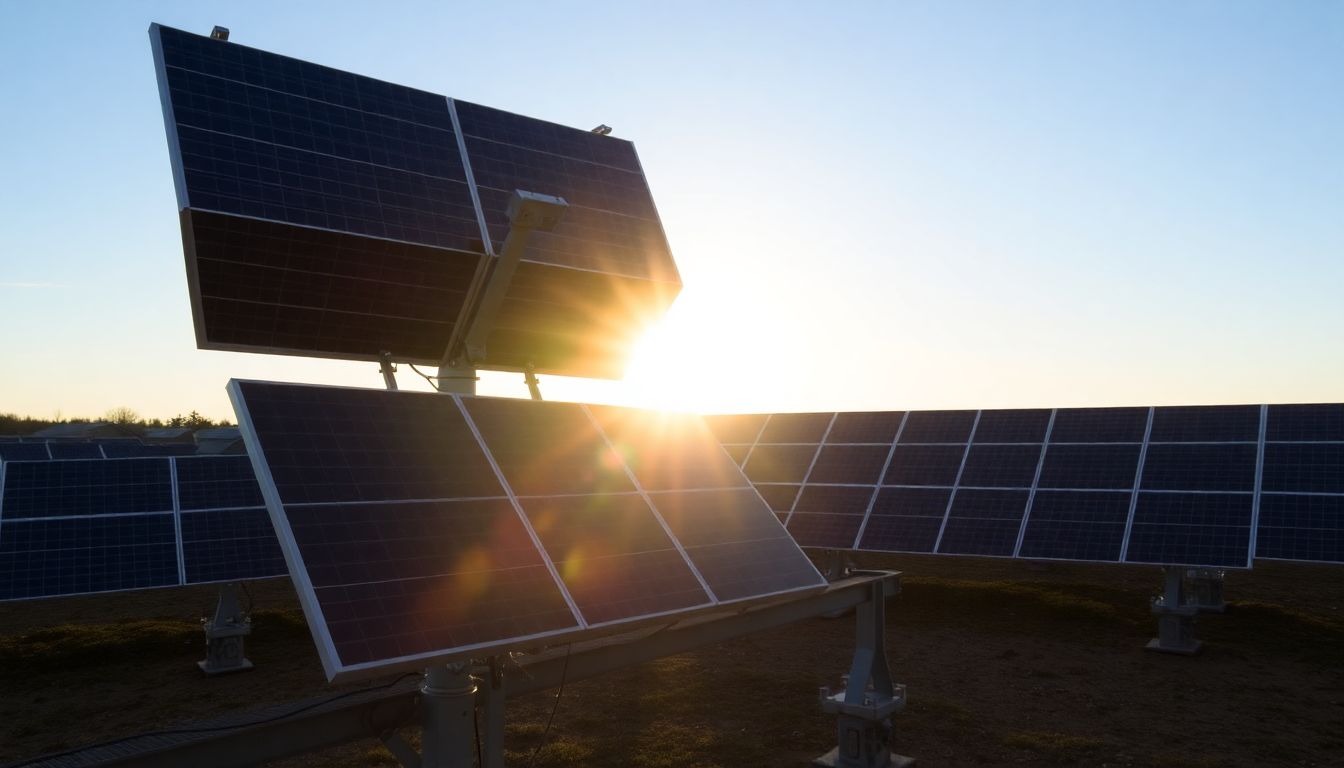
{"type": "Point", "coordinates": [448, 716]}
{"type": "Point", "coordinates": [493, 750]}
{"type": "Point", "coordinates": [864, 708]}
{"type": "Point", "coordinates": [1204, 589]}
{"type": "Point", "coordinates": [224, 635]}
{"type": "Point", "coordinates": [1175, 617]}
{"type": "Point", "coordinates": [388, 369]}
{"type": "Point", "coordinates": [533, 384]}
{"type": "Point", "coordinates": [528, 212]}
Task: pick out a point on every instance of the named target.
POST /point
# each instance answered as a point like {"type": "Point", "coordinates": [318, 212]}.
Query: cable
{"type": "Point", "coordinates": [213, 729]}
{"type": "Point", "coordinates": [564, 673]}
{"type": "Point", "coordinates": [248, 593]}
{"type": "Point", "coordinates": [426, 377]}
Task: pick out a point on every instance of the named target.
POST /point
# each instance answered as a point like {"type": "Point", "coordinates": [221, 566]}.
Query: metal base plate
{"type": "Point", "coordinates": [831, 760]}
{"type": "Point", "coordinates": [1184, 650]}
{"type": "Point", "coordinates": [210, 671]}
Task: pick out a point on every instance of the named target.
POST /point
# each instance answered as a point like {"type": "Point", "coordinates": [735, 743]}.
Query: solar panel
{"type": "Point", "coordinates": [334, 215]}
{"type": "Point", "coordinates": [23, 451]}
{"type": "Point", "coordinates": [64, 450]}
{"type": "Point", "coordinates": [64, 556]}
{"type": "Point", "coordinates": [1301, 503]}
{"type": "Point", "coordinates": [1189, 485]}
{"type": "Point", "coordinates": [82, 526]}
{"type": "Point", "coordinates": [421, 526]}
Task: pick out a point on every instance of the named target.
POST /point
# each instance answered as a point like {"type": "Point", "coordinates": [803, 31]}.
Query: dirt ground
{"type": "Point", "coordinates": [1005, 662]}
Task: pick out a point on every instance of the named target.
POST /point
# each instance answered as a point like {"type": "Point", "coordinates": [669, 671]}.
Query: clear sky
{"type": "Point", "coordinates": [873, 205]}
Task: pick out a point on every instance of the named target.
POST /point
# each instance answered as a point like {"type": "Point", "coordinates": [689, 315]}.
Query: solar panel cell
{"type": "Point", "coordinates": [938, 427]}
{"type": "Point", "coordinates": [1001, 466]}
{"type": "Point", "coordinates": [795, 428]}
{"type": "Point", "coordinates": [779, 463]}
{"type": "Point", "coordinates": [42, 558]}
{"type": "Point", "coordinates": [74, 450]}
{"type": "Point", "coordinates": [229, 545]}
{"type": "Point", "coordinates": [404, 579]}
{"type": "Point", "coordinates": [865, 427]}
{"type": "Point", "coordinates": [1305, 422]}
{"type": "Point", "coordinates": [983, 522]}
{"type": "Point", "coordinates": [738, 547]}
{"type": "Point", "coordinates": [906, 519]}
{"type": "Point", "coordinates": [1200, 467]}
{"type": "Point", "coordinates": [87, 487]}
{"type": "Point", "coordinates": [1298, 527]}
{"type": "Point", "coordinates": [924, 464]}
{"type": "Point", "coordinates": [1210, 529]}
{"type": "Point", "coordinates": [732, 429]}
{"type": "Point", "coordinates": [1304, 467]}
{"type": "Point", "coordinates": [24, 452]}
{"type": "Point", "coordinates": [214, 482]}
{"type": "Point", "coordinates": [1099, 425]}
{"type": "Point", "coordinates": [1206, 424]}
{"type": "Point", "coordinates": [1075, 525]}
{"type": "Point", "coordinates": [1012, 426]}
{"type": "Point", "coordinates": [779, 497]}
{"type": "Point", "coordinates": [329, 444]}
{"type": "Point", "coordinates": [667, 451]}
{"type": "Point", "coordinates": [862, 464]}
{"type": "Point", "coordinates": [1089, 466]}
{"type": "Point", "coordinates": [549, 448]}
{"type": "Point", "coordinates": [614, 556]}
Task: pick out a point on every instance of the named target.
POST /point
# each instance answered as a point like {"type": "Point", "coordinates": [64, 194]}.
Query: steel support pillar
{"type": "Point", "coordinates": [1204, 589]}
{"type": "Point", "coordinates": [1175, 617]}
{"type": "Point", "coordinates": [448, 717]}
{"type": "Point", "coordinates": [224, 635]}
{"type": "Point", "coordinates": [864, 708]}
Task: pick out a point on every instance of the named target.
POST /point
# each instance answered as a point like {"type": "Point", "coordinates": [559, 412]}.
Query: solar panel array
{"type": "Point", "coordinates": [37, 450]}
{"type": "Point", "coordinates": [82, 526]}
{"type": "Point", "coordinates": [421, 526]}
{"type": "Point", "coordinates": [1208, 485]}
{"type": "Point", "coordinates": [330, 214]}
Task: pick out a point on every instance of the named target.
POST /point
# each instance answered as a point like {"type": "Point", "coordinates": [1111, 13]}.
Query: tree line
{"type": "Point", "coordinates": [14, 424]}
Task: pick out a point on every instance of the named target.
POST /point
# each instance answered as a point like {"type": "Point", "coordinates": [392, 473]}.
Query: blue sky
{"type": "Point", "coordinates": [873, 205]}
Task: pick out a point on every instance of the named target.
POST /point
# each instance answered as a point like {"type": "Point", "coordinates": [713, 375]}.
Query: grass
{"type": "Point", "coordinates": [1057, 747]}
{"type": "Point", "coordinates": [78, 645]}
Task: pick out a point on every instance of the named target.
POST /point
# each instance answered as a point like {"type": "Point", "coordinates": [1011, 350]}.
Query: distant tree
{"type": "Point", "coordinates": [122, 415]}
{"type": "Point", "coordinates": [194, 420]}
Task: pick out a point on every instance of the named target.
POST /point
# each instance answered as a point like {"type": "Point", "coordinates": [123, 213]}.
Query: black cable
{"type": "Point", "coordinates": [564, 673]}
{"type": "Point", "coordinates": [248, 593]}
{"type": "Point", "coordinates": [213, 729]}
{"type": "Point", "coordinates": [426, 377]}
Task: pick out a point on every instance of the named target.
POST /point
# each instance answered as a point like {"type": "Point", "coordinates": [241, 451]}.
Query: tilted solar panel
{"type": "Point", "coordinates": [72, 527]}
{"type": "Point", "coordinates": [1191, 485]}
{"type": "Point", "coordinates": [425, 526]}
{"type": "Point", "coordinates": [329, 214]}
{"type": "Point", "coordinates": [1301, 500]}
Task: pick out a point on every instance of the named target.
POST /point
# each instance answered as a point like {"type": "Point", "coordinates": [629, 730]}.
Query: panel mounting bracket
{"type": "Point", "coordinates": [528, 212]}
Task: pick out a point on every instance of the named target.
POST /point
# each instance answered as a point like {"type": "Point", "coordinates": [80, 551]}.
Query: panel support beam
{"type": "Point", "coordinates": [253, 738]}
{"type": "Point", "coordinates": [528, 212]}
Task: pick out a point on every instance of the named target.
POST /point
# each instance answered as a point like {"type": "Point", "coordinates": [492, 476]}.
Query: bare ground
{"type": "Point", "coordinates": [1006, 663]}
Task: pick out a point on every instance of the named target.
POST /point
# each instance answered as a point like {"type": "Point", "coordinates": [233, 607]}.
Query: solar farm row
{"type": "Point", "coordinates": [29, 449]}
{"type": "Point", "coordinates": [422, 525]}
{"type": "Point", "coordinates": [1204, 486]}
{"type": "Point", "coordinates": [99, 525]}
